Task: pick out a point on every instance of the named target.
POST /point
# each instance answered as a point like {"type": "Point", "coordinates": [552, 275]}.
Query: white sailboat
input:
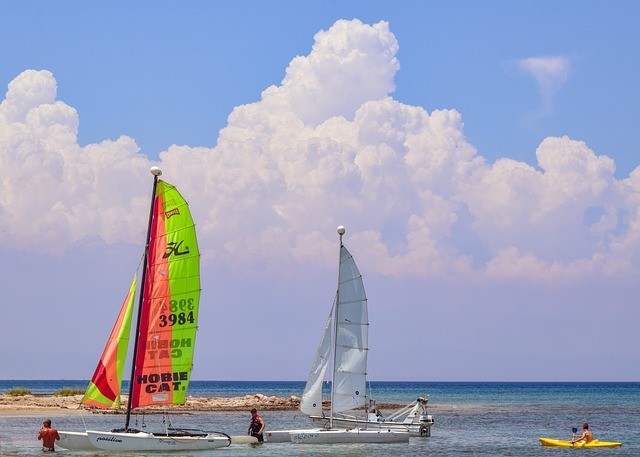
{"type": "Point", "coordinates": [413, 418]}
{"type": "Point", "coordinates": [345, 343]}
{"type": "Point", "coordinates": [164, 337]}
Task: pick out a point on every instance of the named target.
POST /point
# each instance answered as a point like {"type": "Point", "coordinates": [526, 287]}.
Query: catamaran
{"type": "Point", "coordinates": [345, 343]}
{"type": "Point", "coordinates": [164, 337]}
{"type": "Point", "coordinates": [413, 418]}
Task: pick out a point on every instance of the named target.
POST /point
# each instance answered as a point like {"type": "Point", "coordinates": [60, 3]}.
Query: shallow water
{"type": "Point", "coordinates": [475, 419]}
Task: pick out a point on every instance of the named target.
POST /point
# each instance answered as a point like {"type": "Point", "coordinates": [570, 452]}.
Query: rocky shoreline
{"type": "Point", "coordinates": [24, 404]}
{"type": "Point", "coordinates": [34, 403]}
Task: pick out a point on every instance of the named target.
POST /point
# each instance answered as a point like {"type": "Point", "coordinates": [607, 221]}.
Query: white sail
{"type": "Point", "coordinates": [311, 401]}
{"type": "Point", "coordinates": [345, 341]}
{"type": "Point", "coordinates": [352, 337]}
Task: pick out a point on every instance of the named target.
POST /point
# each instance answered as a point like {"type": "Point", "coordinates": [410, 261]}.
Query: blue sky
{"type": "Point", "coordinates": [168, 73]}
{"type": "Point", "coordinates": [481, 155]}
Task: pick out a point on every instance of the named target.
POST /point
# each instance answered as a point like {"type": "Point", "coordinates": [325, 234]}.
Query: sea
{"type": "Point", "coordinates": [471, 418]}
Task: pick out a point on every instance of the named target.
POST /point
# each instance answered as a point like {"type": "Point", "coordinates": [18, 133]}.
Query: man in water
{"type": "Point", "coordinates": [586, 436]}
{"type": "Point", "coordinates": [48, 436]}
{"type": "Point", "coordinates": [256, 426]}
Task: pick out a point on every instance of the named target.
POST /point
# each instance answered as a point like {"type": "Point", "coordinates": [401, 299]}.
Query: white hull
{"type": "Point", "coordinates": [143, 441]}
{"type": "Point", "coordinates": [281, 436]}
{"type": "Point", "coordinates": [321, 436]}
{"type": "Point", "coordinates": [75, 441]}
{"type": "Point", "coordinates": [419, 429]}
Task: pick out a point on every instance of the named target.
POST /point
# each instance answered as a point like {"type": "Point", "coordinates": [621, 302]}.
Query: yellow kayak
{"type": "Point", "coordinates": [568, 443]}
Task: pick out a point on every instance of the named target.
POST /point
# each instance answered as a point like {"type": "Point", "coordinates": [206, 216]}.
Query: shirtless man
{"type": "Point", "coordinates": [586, 436]}
{"type": "Point", "coordinates": [48, 436]}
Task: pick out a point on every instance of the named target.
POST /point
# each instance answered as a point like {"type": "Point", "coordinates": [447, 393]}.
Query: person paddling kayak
{"type": "Point", "coordinates": [586, 436]}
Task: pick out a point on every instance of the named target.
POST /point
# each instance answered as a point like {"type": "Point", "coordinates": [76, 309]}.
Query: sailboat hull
{"type": "Point", "coordinates": [143, 441]}
{"type": "Point", "coordinates": [320, 436]}
{"type": "Point", "coordinates": [281, 436]}
{"type": "Point", "coordinates": [417, 429]}
{"type": "Point", "coordinates": [75, 441]}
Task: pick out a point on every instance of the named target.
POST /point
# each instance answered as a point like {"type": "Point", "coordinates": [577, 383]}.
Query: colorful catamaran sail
{"type": "Point", "coordinates": [169, 311]}
{"type": "Point", "coordinates": [168, 315]}
{"type": "Point", "coordinates": [104, 388]}
{"type": "Point", "coordinates": [165, 333]}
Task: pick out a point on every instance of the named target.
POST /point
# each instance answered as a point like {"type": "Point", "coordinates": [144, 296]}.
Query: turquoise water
{"type": "Point", "coordinates": [474, 419]}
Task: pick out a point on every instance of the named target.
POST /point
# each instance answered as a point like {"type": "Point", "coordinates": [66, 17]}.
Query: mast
{"type": "Point", "coordinates": [341, 231]}
{"type": "Point", "coordinates": [155, 171]}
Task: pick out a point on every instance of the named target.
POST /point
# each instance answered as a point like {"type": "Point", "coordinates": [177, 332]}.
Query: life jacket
{"type": "Point", "coordinates": [255, 424]}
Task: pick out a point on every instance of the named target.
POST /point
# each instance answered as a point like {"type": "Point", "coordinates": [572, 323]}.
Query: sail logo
{"type": "Point", "coordinates": [174, 248]}
{"type": "Point", "coordinates": [173, 212]}
{"type": "Point", "coordinates": [304, 436]}
{"type": "Point", "coordinates": [162, 382]}
{"type": "Point", "coordinates": [167, 349]}
{"type": "Point", "coordinates": [169, 442]}
{"type": "Point", "coordinates": [109, 438]}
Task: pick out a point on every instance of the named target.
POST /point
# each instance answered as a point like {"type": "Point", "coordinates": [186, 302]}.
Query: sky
{"type": "Point", "coordinates": [482, 156]}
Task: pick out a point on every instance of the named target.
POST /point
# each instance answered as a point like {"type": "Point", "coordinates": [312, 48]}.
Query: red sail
{"type": "Point", "coordinates": [169, 312]}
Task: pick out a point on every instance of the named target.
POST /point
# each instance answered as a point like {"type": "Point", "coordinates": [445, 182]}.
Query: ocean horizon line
{"type": "Point", "coordinates": [78, 380]}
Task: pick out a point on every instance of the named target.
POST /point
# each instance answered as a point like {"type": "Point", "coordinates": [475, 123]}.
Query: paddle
{"type": "Point", "coordinates": [574, 430]}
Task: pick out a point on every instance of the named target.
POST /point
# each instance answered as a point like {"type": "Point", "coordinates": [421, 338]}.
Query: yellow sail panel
{"type": "Point", "coordinates": [169, 312]}
{"type": "Point", "coordinates": [104, 388]}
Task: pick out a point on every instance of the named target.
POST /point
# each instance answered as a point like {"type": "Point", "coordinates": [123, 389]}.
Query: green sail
{"type": "Point", "coordinates": [169, 311]}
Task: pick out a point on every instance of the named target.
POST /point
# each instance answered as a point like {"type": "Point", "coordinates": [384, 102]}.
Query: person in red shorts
{"type": "Point", "coordinates": [48, 436]}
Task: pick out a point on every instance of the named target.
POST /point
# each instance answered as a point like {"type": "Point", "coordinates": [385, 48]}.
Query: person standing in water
{"type": "Point", "coordinates": [256, 426]}
{"type": "Point", "coordinates": [48, 436]}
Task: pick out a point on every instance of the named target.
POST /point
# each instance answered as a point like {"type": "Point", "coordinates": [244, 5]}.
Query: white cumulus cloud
{"type": "Point", "coordinates": [327, 146]}
{"type": "Point", "coordinates": [54, 192]}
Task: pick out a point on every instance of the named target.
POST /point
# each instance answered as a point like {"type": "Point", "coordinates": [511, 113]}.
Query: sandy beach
{"type": "Point", "coordinates": [51, 404]}
{"type": "Point", "coordinates": [29, 404]}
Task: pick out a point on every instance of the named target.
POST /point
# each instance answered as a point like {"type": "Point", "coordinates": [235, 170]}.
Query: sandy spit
{"type": "Point", "coordinates": [29, 404]}
{"type": "Point", "coordinates": [50, 404]}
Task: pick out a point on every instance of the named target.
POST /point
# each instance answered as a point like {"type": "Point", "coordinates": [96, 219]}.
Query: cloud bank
{"type": "Point", "coordinates": [327, 146]}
